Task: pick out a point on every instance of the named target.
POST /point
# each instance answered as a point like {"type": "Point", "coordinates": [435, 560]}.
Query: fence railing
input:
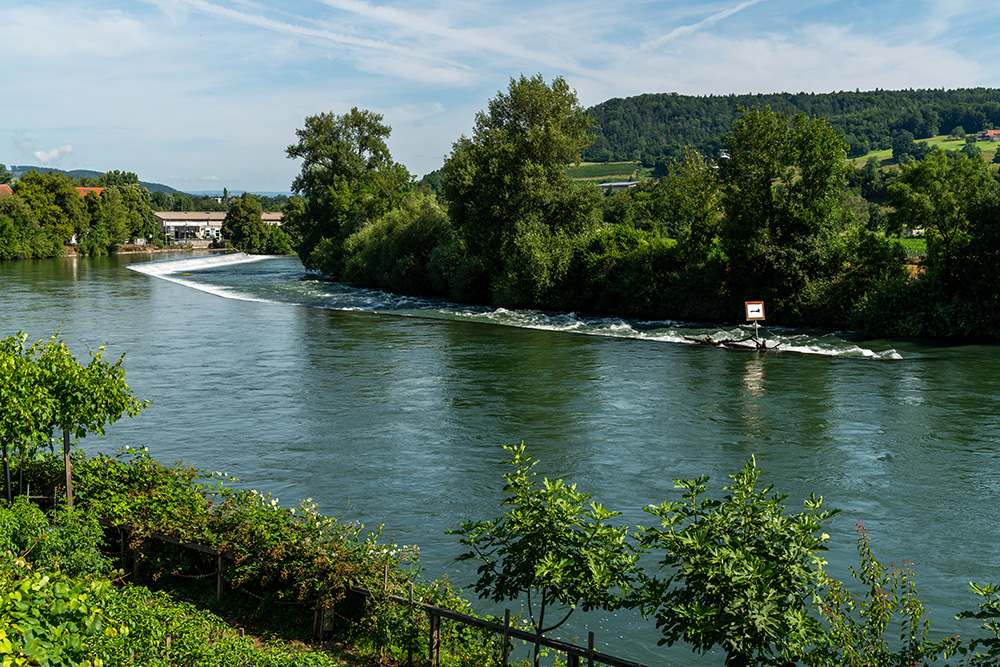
{"type": "Point", "coordinates": [574, 654]}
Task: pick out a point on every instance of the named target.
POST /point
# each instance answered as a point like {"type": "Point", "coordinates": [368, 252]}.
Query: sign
{"type": "Point", "coordinates": [755, 310]}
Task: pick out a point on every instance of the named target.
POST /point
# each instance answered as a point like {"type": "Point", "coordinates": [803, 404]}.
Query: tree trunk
{"type": "Point", "coordinates": [6, 474]}
{"type": "Point", "coordinates": [69, 469]}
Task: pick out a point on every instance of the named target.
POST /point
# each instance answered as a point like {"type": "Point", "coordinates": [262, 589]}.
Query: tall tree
{"type": "Point", "coordinates": [245, 227]}
{"type": "Point", "coordinates": [510, 198]}
{"type": "Point", "coordinates": [782, 195]}
{"type": "Point", "coordinates": [348, 177]}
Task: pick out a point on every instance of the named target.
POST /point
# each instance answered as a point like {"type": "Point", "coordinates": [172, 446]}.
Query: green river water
{"type": "Point", "coordinates": [392, 411]}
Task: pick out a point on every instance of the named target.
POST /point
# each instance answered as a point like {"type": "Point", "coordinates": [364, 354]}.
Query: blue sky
{"type": "Point", "coordinates": [206, 94]}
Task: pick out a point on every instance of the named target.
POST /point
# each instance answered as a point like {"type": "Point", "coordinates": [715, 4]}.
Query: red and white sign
{"type": "Point", "coordinates": [755, 310]}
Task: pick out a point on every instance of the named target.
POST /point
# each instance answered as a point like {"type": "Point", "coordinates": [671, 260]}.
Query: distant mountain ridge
{"type": "Point", "coordinates": [19, 170]}
{"type": "Point", "coordinates": [656, 127]}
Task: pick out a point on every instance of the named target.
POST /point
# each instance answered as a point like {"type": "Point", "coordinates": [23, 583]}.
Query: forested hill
{"type": "Point", "coordinates": [654, 127]}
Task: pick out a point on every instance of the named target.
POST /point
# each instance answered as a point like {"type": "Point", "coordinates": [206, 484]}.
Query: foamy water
{"type": "Point", "coordinates": [270, 279]}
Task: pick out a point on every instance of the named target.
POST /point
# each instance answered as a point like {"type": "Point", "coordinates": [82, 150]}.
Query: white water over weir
{"type": "Point", "coordinates": [277, 279]}
{"type": "Point", "coordinates": [166, 267]}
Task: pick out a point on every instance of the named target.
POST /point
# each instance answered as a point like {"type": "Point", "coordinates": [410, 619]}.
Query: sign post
{"type": "Point", "coordinates": [755, 313]}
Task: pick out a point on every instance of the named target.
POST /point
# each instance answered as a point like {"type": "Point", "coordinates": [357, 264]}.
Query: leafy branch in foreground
{"type": "Point", "coordinates": [551, 545]}
{"type": "Point", "coordinates": [743, 573]}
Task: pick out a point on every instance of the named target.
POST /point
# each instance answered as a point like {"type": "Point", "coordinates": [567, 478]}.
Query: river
{"type": "Point", "coordinates": [393, 410]}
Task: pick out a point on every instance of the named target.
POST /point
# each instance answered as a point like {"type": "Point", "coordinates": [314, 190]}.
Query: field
{"type": "Point", "coordinates": [941, 141]}
{"type": "Point", "coordinates": [607, 171]}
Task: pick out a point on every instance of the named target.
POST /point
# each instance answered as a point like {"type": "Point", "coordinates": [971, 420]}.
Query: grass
{"type": "Point", "coordinates": [942, 141]}
{"type": "Point", "coordinates": [607, 171]}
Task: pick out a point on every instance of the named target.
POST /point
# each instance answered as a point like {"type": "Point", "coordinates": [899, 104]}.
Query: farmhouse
{"type": "Point", "coordinates": [988, 135]}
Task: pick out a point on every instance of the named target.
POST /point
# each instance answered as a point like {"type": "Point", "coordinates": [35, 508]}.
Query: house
{"type": "Point", "coordinates": [617, 187]}
{"type": "Point", "coordinates": [5, 190]}
{"type": "Point", "coordinates": [86, 191]}
{"type": "Point", "coordinates": [200, 225]}
{"type": "Point", "coordinates": [988, 135]}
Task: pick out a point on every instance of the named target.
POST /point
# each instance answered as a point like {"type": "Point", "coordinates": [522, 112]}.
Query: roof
{"type": "Point", "coordinates": [5, 190]}
{"type": "Point", "coordinates": [207, 217]}
{"type": "Point", "coordinates": [85, 191]}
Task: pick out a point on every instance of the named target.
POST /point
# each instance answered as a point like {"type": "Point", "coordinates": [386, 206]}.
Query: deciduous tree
{"type": "Point", "coordinates": [347, 178]}
{"type": "Point", "coordinates": [552, 545]}
{"type": "Point", "coordinates": [510, 198]}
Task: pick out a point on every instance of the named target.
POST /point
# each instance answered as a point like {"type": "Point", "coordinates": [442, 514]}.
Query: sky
{"type": "Point", "coordinates": [207, 94]}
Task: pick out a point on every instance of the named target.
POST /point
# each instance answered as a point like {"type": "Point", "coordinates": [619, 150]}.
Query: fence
{"type": "Point", "coordinates": [574, 654]}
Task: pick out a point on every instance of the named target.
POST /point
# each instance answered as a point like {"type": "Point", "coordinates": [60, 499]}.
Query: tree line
{"type": "Point", "coordinates": [783, 218]}
{"type": "Point", "coordinates": [46, 211]}
{"type": "Point", "coordinates": [656, 128]}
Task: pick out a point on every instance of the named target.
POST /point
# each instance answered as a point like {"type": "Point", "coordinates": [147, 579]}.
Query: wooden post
{"type": "Point", "coordinates": [590, 649]}
{"type": "Point", "coordinates": [572, 660]}
{"type": "Point", "coordinates": [220, 579]}
{"type": "Point", "coordinates": [434, 643]}
{"type": "Point", "coordinates": [68, 465]}
{"type": "Point", "coordinates": [506, 637]}
{"type": "Point", "coordinates": [409, 644]}
{"type": "Point", "coordinates": [319, 622]}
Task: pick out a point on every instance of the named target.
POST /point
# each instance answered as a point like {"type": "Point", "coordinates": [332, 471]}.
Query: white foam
{"type": "Point", "coordinates": [165, 267]}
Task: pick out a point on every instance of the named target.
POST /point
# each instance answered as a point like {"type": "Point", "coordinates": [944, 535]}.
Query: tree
{"type": "Point", "coordinates": [510, 198]}
{"type": "Point", "coordinates": [743, 573]}
{"type": "Point", "coordinates": [938, 194]}
{"type": "Point", "coordinates": [5, 175]}
{"type": "Point", "coordinates": [552, 545]}
{"type": "Point", "coordinates": [245, 226]}
{"type": "Point", "coordinates": [75, 398]}
{"type": "Point", "coordinates": [25, 406]}
{"type": "Point", "coordinates": [783, 189]}
{"type": "Point", "coordinates": [348, 177]}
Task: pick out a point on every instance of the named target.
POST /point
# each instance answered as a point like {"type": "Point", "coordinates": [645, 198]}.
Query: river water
{"type": "Point", "coordinates": [392, 410]}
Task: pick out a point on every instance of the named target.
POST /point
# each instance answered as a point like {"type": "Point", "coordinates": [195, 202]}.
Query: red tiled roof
{"type": "Point", "coordinates": [85, 191]}
{"type": "Point", "coordinates": [5, 191]}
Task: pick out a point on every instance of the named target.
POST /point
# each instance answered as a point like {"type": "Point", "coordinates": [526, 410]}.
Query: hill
{"type": "Point", "coordinates": [18, 170]}
{"type": "Point", "coordinates": [656, 127]}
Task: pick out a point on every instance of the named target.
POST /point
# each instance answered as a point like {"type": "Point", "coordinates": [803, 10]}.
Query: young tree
{"type": "Point", "coordinates": [348, 177]}
{"type": "Point", "coordinates": [25, 406]}
{"type": "Point", "coordinates": [510, 198]}
{"type": "Point", "coordinates": [81, 399]}
{"type": "Point", "coordinates": [743, 573]}
{"type": "Point", "coordinates": [552, 545]}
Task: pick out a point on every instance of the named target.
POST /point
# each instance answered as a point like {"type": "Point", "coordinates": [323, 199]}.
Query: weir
{"type": "Point", "coordinates": [172, 266]}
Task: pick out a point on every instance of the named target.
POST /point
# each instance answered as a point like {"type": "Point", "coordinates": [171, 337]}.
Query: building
{"type": "Point", "coordinates": [199, 225]}
{"type": "Point", "coordinates": [5, 190]}
{"type": "Point", "coordinates": [988, 135]}
{"type": "Point", "coordinates": [617, 187]}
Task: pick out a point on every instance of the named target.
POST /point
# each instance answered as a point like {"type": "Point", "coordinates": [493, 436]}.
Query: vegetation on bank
{"type": "Point", "coordinates": [46, 212]}
{"type": "Point", "coordinates": [784, 219]}
{"type": "Point", "coordinates": [739, 573]}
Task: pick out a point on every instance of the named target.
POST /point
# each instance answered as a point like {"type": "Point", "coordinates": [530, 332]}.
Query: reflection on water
{"type": "Point", "coordinates": [393, 410]}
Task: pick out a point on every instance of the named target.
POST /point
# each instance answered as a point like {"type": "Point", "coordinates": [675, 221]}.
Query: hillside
{"type": "Point", "coordinates": [655, 127]}
{"type": "Point", "coordinates": [18, 170]}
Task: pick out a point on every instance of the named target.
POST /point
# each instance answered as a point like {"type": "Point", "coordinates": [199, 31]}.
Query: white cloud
{"type": "Point", "coordinates": [53, 155]}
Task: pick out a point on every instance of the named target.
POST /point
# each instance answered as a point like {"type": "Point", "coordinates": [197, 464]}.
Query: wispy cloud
{"type": "Point", "coordinates": [695, 27]}
{"type": "Point", "coordinates": [167, 87]}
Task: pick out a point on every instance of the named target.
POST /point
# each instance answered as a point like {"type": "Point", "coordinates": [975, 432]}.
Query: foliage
{"type": "Point", "coordinates": [511, 202]}
{"type": "Point", "coordinates": [743, 573]}
{"type": "Point", "coordinates": [988, 611]}
{"type": "Point", "coordinates": [69, 544]}
{"type": "Point", "coordinates": [395, 250]}
{"type": "Point", "coordinates": [655, 127]}
{"type": "Point", "coordinates": [347, 178]}
{"type": "Point", "coordinates": [552, 545]}
{"type": "Point", "coordinates": [782, 194]}
{"type": "Point", "coordinates": [49, 618]}
{"type": "Point", "coordinates": [244, 226]}
{"type": "Point", "coordinates": [857, 625]}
